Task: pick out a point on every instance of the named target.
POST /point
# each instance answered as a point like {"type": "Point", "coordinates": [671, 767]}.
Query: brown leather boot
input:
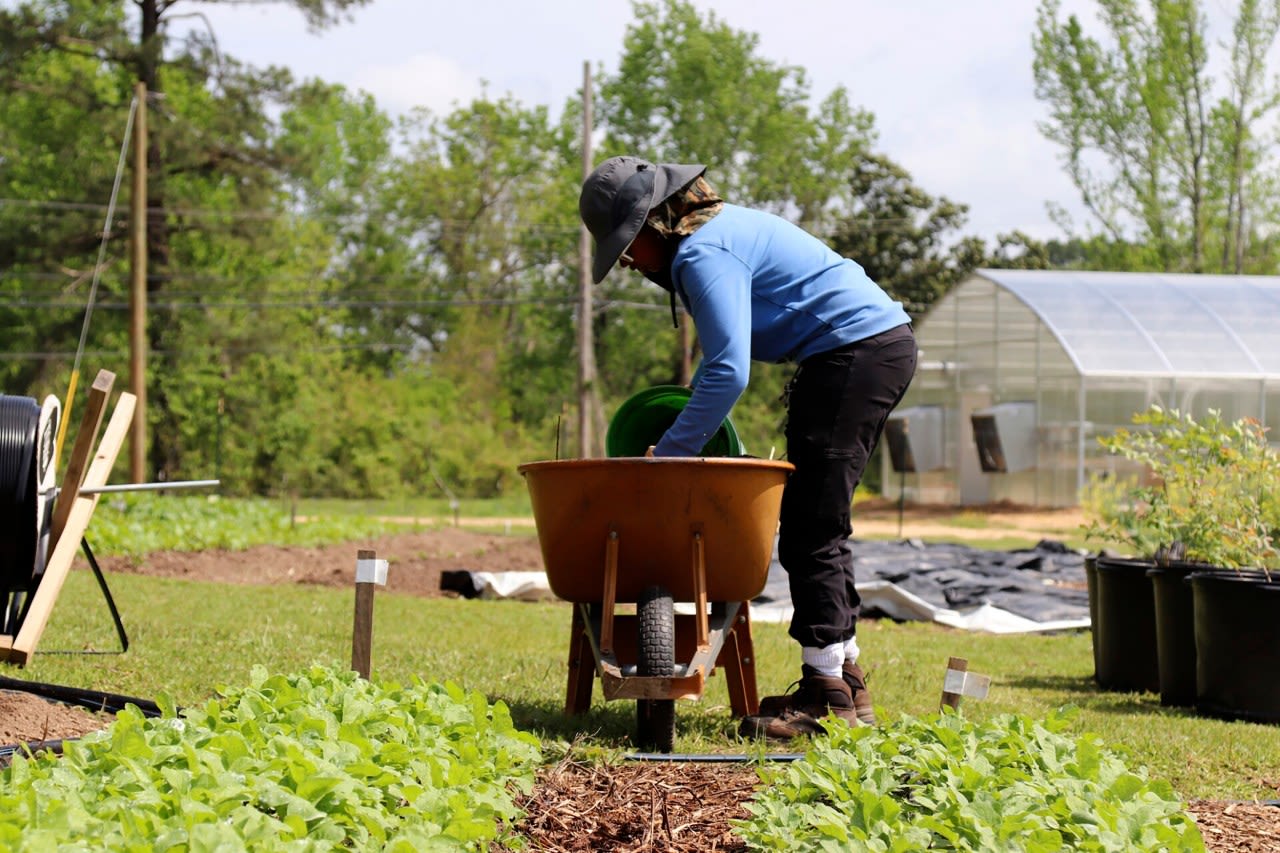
{"type": "Point", "coordinates": [772, 706]}
{"type": "Point", "coordinates": [799, 713]}
{"type": "Point", "coordinates": [857, 681]}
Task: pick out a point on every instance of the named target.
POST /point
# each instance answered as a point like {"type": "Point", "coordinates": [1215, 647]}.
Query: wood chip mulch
{"type": "Point", "coordinates": [686, 807]}
{"type": "Point", "coordinates": [1237, 827]}
{"type": "Point", "coordinates": [628, 808]}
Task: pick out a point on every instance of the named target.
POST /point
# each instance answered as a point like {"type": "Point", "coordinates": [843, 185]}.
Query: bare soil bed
{"type": "Point", "coordinates": [26, 718]}
{"type": "Point", "coordinates": [417, 561]}
{"type": "Point", "coordinates": [629, 807]}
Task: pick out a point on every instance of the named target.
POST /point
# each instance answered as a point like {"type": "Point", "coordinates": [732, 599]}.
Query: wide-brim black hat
{"type": "Point", "coordinates": [618, 196]}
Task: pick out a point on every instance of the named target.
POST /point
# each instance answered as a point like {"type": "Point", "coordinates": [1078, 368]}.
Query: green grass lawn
{"type": "Point", "coordinates": [188, 637]}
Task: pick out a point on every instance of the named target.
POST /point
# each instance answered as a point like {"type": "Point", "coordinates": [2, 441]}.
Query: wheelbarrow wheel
{"type": "Point", "coordinates": [656, 718]}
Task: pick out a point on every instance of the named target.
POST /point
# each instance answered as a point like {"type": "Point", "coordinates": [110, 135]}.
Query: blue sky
{"type": "Point", "coordinates": [949, 83]}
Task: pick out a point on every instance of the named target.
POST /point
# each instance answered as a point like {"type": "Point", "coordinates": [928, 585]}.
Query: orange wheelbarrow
{"type": "Point", "coordinates": [654, 532]}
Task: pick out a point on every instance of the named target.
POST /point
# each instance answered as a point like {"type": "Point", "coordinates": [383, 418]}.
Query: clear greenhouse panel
{"type": "Point", "coordinates": [1083, 351]}
{"type": "Point", "coordinates": [1172, 325]}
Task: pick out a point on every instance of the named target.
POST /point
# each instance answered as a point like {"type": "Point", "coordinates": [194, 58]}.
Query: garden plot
{"type": "Point", "coordinates": [579, 805]}
{"type": "Point", "coordinates": [643, 801]}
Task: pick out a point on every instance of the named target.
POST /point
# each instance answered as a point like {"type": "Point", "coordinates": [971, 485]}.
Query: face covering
{"type": "Point", "coordinates": [679, 216]}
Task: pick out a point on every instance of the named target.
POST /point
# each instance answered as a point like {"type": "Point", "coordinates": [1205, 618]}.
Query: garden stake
{"type": "Point", "coordinates": [369, 572]}
{"type": "Point", "coordinates": [952, 699]}
{"type": "Point", "coordinates": [958, 682]}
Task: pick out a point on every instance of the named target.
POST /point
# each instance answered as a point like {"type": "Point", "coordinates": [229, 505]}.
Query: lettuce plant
{"type": "Point", "coordinates": [318, 760]}
{"type": "Point", "coordinates": [944, 783]}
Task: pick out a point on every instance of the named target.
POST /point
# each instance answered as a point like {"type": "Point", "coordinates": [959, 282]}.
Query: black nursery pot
{"type": "Point", "coordinates": [1175, 632]}
{"type": "Point", "coordinates": [1237, 629]}
{"type": "Point", "coordinates": [1091, 579]}
{"type": "Point", "coordinates": [1124, 632]}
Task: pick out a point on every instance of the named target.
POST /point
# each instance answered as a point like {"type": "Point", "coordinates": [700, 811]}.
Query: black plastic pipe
{"type": "Point", "coordinates": [94, 700]}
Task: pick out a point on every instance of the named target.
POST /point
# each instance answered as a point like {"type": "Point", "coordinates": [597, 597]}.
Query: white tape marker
{"type": "Point", "coordinates": [966, 684]}
{"type": "Point", "coordinates": [371, 571]}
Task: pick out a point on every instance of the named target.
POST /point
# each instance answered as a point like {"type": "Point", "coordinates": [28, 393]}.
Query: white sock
{"type": "Point", "coordinates": [827, 660]}
{"type": "Point", "coordinates": [851, 649]}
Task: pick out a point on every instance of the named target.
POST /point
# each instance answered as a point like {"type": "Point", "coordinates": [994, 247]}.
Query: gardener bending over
{"type": "Point", "coordinates": [761, 288]}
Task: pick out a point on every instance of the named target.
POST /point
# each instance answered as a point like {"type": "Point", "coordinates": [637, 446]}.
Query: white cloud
{"type": "Point", "coordinates": [421, 80]}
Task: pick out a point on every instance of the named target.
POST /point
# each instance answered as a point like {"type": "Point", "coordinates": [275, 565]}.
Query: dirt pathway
{"type": "Point", "coordinates": [876, 519]}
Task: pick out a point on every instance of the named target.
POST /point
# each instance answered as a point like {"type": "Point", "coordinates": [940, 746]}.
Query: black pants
{"type": "Point", "coordinates": [837, 404]}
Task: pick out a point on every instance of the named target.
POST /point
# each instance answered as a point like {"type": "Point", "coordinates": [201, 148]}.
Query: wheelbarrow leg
{"type": "Point", "coordinates": [582, 671]}
{"type": "Point", "coordinates": [738, 659]}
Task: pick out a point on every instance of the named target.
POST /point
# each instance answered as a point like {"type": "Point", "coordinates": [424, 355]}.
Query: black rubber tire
{"type": "Point", "coordinates": [656, 718]}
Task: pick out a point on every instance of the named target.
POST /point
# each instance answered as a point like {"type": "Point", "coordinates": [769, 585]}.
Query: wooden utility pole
{"type": "Point", "coordinates": [138, 292]}
{"type": "Point", "coordinates": [587, 405]}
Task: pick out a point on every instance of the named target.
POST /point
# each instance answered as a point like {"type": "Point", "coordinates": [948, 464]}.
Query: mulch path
{"type": "Point", "coordinates": [673, 807]}
{"type": "Point", "coordinates": [1237, 827]}
{"type": "Point", "coordinates": [687, 808]}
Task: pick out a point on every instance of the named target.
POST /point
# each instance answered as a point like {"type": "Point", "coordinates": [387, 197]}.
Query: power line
{"type": "Point", "coordinates": [123, 353]}
{"type": "Point", "coordinates": [880, 224]}
{"type": "Point", "coordinates": [260, 215]}
{"type": "Point", "coordinates": [92, 207]}
{"type": "Point", "coordinates": [309, 280]}
{"type": "Point", "coordinates": [296, 305]}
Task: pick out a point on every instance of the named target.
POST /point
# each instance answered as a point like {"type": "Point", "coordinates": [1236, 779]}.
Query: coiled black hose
{"type": "Point", "coordinates": [19, 524]}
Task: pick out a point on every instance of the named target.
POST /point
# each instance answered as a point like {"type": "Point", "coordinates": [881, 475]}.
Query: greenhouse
{"type": "Point", "coordinates": [1021, 371]}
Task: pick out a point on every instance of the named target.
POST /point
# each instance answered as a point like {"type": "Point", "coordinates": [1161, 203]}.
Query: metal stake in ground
{"type": "Point", "coordinates": [370, 571]}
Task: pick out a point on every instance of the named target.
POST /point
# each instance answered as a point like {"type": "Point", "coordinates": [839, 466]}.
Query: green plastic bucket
{"type": "Point", "coordinates": [642, 419]}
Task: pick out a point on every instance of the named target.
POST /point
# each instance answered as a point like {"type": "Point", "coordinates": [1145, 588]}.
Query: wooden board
{"type": "Point", "coordinates": [99, 392]}
{"type": "Point", "coordinates": [77, 521]}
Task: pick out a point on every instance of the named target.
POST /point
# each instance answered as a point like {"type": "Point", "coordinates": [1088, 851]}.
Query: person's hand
{"type": "Point", "coordinates": [649, 453]}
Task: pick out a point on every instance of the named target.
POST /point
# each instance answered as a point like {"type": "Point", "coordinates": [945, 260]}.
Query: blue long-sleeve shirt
{"type": "Point", "coordinates": [760, 288]}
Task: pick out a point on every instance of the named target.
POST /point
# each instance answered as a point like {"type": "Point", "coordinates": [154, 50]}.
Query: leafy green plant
{"type": "Point", "coordinates": [1210, 498]}
{"type": "Point", "coordinates": [318, 760]}
{"type": "Point", "coordinates": [942, 782]}
{"type": "Point", "coordinates": [136, 523]}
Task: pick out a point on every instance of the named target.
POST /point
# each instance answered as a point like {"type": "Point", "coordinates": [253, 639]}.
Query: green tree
{"type": "Point", "coordinates": [485, 200]}
{"type": "Point", "coordinates": [690, 88]}
{"type": "Point", "coordinates": [1238, 169]}
{"type": "Point", "coordinates": [306, 270]}
{"type": "Point", "coordinates": [912, 244]}
{"type": "Point", "coordinates": [1158, 161]}
{"type": "Point", "coordinates": [209, 144]}
{"type": "Point", "coordinates": [63, 112]}
{"type": "Point", "coordinates": [340, 306]}
{"type": "Point", "coordinates": [899, 234]}
{"type": "Point", "coordinates": [1019, 251]}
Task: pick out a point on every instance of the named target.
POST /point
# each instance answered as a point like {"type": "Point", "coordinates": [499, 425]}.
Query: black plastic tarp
{"type": "Point", "coordinates": [1041, 586]}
